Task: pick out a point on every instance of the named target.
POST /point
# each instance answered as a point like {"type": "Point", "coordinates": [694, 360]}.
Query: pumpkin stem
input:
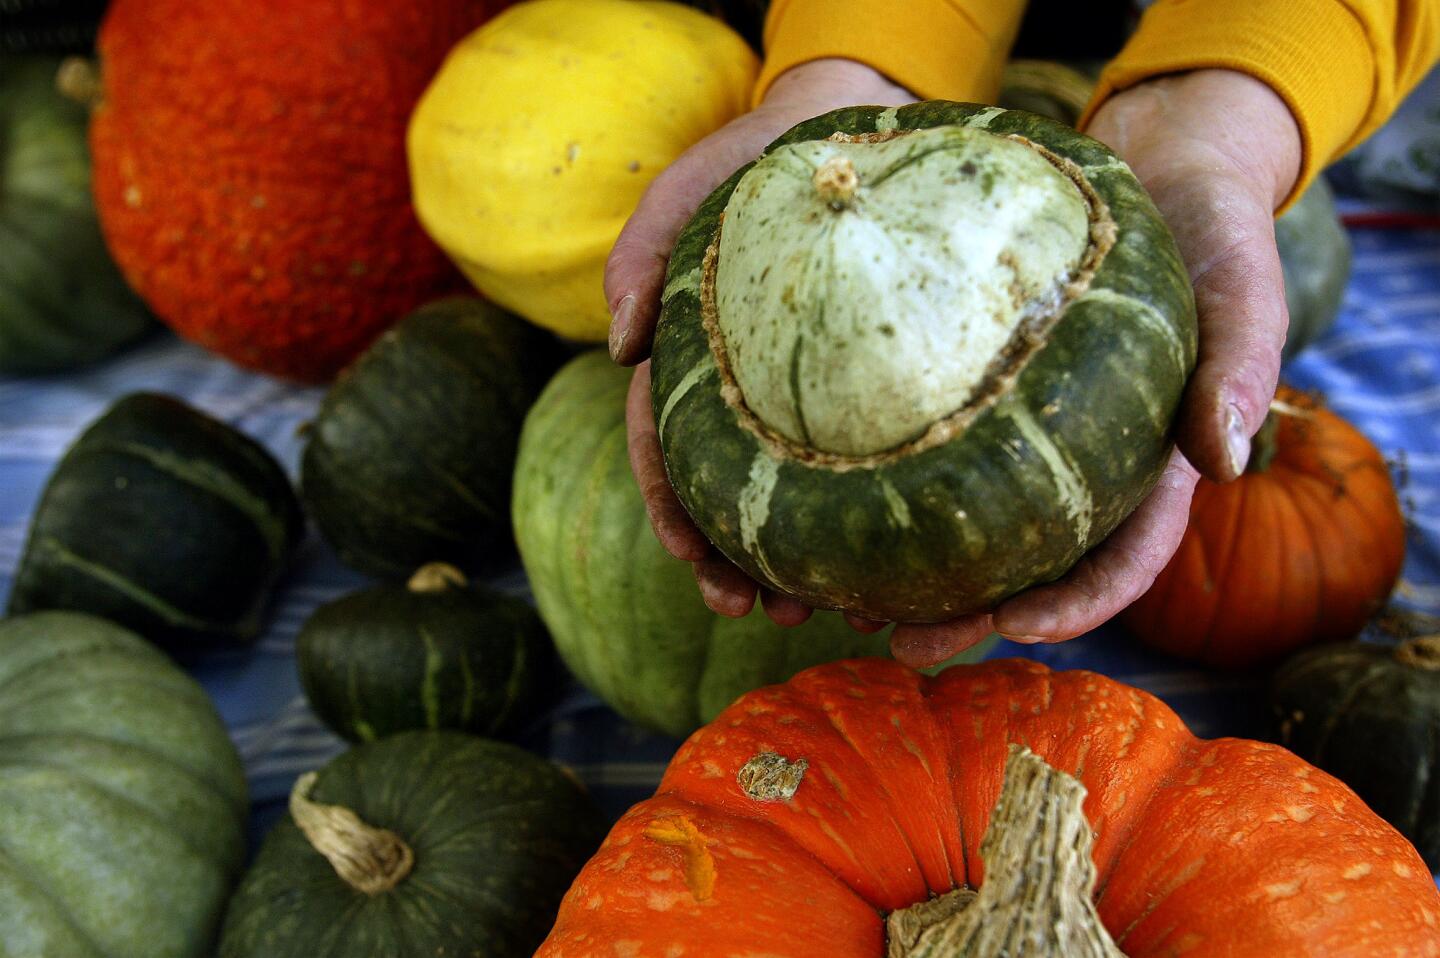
{"type": "Point", "coordinates": [79, 80]}
{"type": "Point", "coordinates": [837, 182]}
{"type": "Point", "coordinates": [1263, 447]}
{"type": "Point", "coordinates": [368, 859]}
{"type": "Point", "coordinates": [1420, 653]}
{"type": "Point", "coordinates": [1039, 876]}
{"type": "Point", "coordinates": [436, 577]}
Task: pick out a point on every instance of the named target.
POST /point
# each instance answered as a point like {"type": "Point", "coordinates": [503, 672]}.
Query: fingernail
{"type": "Point", "coordinates": [1237, 440]}
{"type": "Point", "coordinates": [620, 325]}
{"type": "Point", "coordinates": [1025, 639]}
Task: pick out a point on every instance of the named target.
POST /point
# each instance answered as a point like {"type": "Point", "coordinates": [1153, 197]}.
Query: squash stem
{"type": "Point", "coordinates": [1421, 653]}
{"type": "Point", "coordinates": [369, 859]}
{"type": "Point", "coordinates": [436, 577]}
{"type": "Point", "coordinates": [1039, 878]}
{"type": "Point", "coordinates": [1264, 446]}
{"type": "Point", "coordinates": [837, 182]}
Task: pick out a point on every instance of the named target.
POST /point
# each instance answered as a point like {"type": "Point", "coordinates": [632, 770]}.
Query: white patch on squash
{"type": "Point", "coordinates": [982, 119]}
{"type": "Point", "coordinates": [1071, 489]}
{"type": "Point", "coordinates": [754, 506]}
{"type": "Point", "coordinates": [888, 120]}
{"type": "Point", "coordinates": [699, 371]}
{"type": "Point", "coordinates": [1144, 315]}
{"type": "Point", "coordinates": [852, 327]}
{"type": "Point", "coordinates": [688, 282]}
{"type": "Point", "coordinates": [895, 503]}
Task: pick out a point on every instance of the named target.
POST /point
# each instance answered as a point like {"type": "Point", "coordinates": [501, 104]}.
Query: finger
{"type": "Point", "coordinates": [865, 626]}
{"type": "Point", "coordinates": [672, 524]}
{"type": "Point", "coordinates": [784, 610]}
{"type": "Point", "coordinates": [726, 590]}
{"type": "Point", "coordinates": [1228, 241]}
{"type": "Point", "coordinates": [922, 645]}
{"type": "Point", "coordinates": [1113, 574]}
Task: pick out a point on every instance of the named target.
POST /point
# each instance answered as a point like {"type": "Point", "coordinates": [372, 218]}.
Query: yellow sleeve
{"type": "Point", "coordinates": [936, 49]}
{"type": "Point", "coordinates": [1342, 66]}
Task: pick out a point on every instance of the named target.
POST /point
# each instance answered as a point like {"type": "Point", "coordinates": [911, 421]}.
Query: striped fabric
{"type": "Point", "coordinates": [1380, 367]}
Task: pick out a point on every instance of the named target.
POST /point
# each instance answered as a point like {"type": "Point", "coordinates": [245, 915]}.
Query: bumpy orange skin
{"type": "Point", "coordinates": [1203, 848]}
{"type": "Point", "coordinates": [1306, 551]}
{"type": "Point", "coordinates": [249, 168]}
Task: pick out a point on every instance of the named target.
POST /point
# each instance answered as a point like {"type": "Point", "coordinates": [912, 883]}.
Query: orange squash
{"type": "Point", "coordinates": [793, 823]}
{"type": "Point", "coordinates": [249, 168]}
{"type": "Point", "coordinates": [1303, 548]}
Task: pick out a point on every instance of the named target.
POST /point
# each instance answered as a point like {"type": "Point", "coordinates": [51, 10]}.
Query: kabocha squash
{"type": "Point", "coordinates": [62, 300]}
{"type": "Point", "coordinates": [535, 141]}
{"type": "Point", "coordinates": [122, 801]}
{"type": "Point", "coordinates": [434, 653]}
{"type": "Point", "coordinates": [1315, 257]}
{"type": "Point", "coordinates": [410, 456]}
{"type": "Point", "coordinates": [809, 813]}
{"type": "Point", "coordinates": [419, 845]}
{"type": "Point", "coordinates": [930, 359]}
{"type": "Point", "coordinates": [1368, 714]}
{"type": "Point", "coordinates": [626, 616]}
{"type": "Point", "coordinates": [1303, 548]}
{"type": "Point", "coordinates": [164, 520]}
{"type": "Point", "coordinates": [250, 169]}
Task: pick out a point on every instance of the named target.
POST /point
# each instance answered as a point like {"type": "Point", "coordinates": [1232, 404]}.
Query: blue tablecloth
{"type": "Point", "coordinates": [1380, 367]}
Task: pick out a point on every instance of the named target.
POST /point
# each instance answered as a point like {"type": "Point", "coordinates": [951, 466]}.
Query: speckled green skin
{"type": "Point", "coordinates": [164, 520]}
{"type": "Point", "coordinates": [63, 302]}
{"type": "Point", "coordinates": [498, 836]}
{"type": "Point", "coordinates": [387, 659]}
{"type": "Point", "coordinates": [1351, 709]}
{"type": "Point", "coordinates": [1315, 255]}
{"type": "Point", "coordinates": [626, 616]}
{"type": "Point", "coordinates": [410, 455]}
{"type": "Point", "coordinates": [122, 801]}
{"type": "Point", "coordinates": [984, 515]}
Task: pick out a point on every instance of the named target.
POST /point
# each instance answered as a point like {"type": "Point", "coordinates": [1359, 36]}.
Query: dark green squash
{"type": "Point", "coordinates": [463, 847]}
{"type": "Point", "coordinates": [626, 617]}
{"type": "Point", "coordinates": [1315, 257]}
{"type": "Point", "coordinates": [410, 455]}
{"type": "Point", "coordinates": [1369, 714]}
{"type": "Point", "coordinates": [912, 507]}
{"type": "Point", "coordinates": [162, 519]}
{"type": "Point", "coordinates": [433, 653]}
{"type": "Point", "coordinates": [122, 801]}
{"type": "Point", "coordinates": [63, 301]}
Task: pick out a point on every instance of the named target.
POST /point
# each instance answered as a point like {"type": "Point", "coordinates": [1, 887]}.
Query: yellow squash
{"type": "Point", "coordinates": [536, 139]}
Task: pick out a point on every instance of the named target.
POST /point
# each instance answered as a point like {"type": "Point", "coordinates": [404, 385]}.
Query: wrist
{"type": "Point", "coordinates": [828, 84]}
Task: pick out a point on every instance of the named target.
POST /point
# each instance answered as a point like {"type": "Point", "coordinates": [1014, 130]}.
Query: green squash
{"type": "Point", "coordinates": [122, 801]}
{"type": "Point", "coordinates": [63, 301]}
{"type": "Point", "coordinates": [628, 618]}
{"type": "Point", "coordinates": [162, 519]}
{"type": "Point", "coordinates": [434, 653]}
{"type": "Point", "coordinates": [410, 455]}
{"type": "Point", "coordinates": [1315, 257]}
{"type": "Point", "coordinates": [443, 845]}
{"type": "Point", "coordinates": [1051, 89]}
{"type": "Point", "coordinates": [924, 366]}
{"type": "Point", "coordinates": [1369, 714]}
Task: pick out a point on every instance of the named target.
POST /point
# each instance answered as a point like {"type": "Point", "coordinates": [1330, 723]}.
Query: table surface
{"type": "Point", "coordinates": [1379, 367]}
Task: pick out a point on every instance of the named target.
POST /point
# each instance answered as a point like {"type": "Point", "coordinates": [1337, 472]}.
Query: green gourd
{"type": "Point", "coordinates": [627, 617]}
{"type": "Point", "coordinates": [420, 845]}
{"type": "Point", "coordinates": [433, 653]}
{"type": "Point", "coordinates": [410, 455]}
{"type": "Point", "coordinates": [122, 801]}
{"type": "Point", "coordinates": [162, 519]}
{"type": "Point", "coordinates": [63, 302]}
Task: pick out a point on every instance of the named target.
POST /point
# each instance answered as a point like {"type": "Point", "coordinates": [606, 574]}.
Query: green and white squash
{"type": "Point", "coordinates": [434, 653]}
{"type": "Point", "coordinates": [164, 520]}
{"type": "Point", "coordinates": [63, 301]}
{"type": "Point", "coordinates": [410, 456]}
{"type": "Point", "coordinates": [1315, 258]}
{"type": "Point", "coordinates": [930, 360]}
{"type": "Point", "coordinates": [122, 801]}
{"type": "Point", "coordinates": [626, 616]}
{"type": "Point", "coordinates": [420, 845]}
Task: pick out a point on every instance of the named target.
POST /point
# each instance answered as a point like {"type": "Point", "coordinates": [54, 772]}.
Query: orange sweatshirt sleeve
{"type": "Point", "coordinates": [1342, 66]}
{"type": "Point", "coordinates": [937, 49]}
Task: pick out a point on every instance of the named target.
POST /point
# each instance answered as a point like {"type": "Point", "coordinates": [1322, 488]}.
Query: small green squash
{"type": "Point", "coordinates": [420, 845]}
{"type": "Point", "coordinates": [626, 616]}
{"type": "Point", "coordinates": [1369, 714]}
{"type": "Point", "coordinates": [1315, 257]}
{"type": "Point", "coordinates": [122, 801]}
{"type": "Point", "coordinates": [930, 360]}
{"type": "Point", "coordinates": [63, 302]}
{"type": "Point", "coordinates": [433, 653]}
{"type": "Point", "coordinates": [410, 455]}
{"type": "Point", "coordinates": [162, 519]}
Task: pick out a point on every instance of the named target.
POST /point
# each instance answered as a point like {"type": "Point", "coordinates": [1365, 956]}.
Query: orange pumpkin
{"type": "Point", "coordinates": [805, 812]}
{"type": "Point", "coordinates": [250, 173]}
{"type": "Point", "coordinates": [1303, 548]}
